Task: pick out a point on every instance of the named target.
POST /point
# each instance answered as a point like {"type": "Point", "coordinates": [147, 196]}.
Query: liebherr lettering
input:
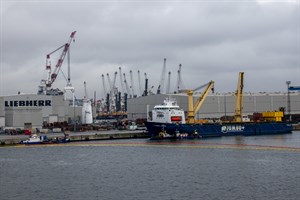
{"type": "Point", "coordinates": [27, 103]}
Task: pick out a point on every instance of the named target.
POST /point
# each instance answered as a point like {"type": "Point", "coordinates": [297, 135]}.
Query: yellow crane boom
{"type": "Point", "coordinates": [203, 96]}
{"type": "Point", "coordinates": [239, 98]}
{"type": "Point", "coordinates": [194, 108]}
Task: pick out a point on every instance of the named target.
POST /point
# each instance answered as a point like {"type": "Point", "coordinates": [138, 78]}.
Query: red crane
{"type": "Point", "coordinates": [53, 74]}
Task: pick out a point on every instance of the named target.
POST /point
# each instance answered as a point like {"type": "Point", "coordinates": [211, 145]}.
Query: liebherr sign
{"type": "Point", "coordinates": [28, 103]}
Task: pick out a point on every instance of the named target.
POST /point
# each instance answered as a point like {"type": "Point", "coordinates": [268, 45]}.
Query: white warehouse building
{"type": "Point", "coordinates": [31, 111]}
{"type": "Point", "coordinates": [217, 105]}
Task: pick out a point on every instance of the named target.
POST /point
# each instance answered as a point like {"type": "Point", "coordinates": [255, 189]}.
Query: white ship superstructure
{"type": "Point", "coordinates": [168, 112]}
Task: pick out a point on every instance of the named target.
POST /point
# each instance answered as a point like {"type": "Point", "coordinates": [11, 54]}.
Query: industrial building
{"type": "Point", "coordinates": [30, 111]}
{"type": "Point", "coordinates": [218, 105]}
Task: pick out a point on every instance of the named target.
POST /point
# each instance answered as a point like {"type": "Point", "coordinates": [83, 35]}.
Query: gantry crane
{"type": "Point", "coordinates": [239, 98]}
{"type": "Point", "coordinates": [47, 84]}
{"type": "Point", "coordinates": [194, 108]}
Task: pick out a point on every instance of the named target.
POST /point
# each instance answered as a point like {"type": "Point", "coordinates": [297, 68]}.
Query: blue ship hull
{"type": "Point", "coordinates": [155, 130]}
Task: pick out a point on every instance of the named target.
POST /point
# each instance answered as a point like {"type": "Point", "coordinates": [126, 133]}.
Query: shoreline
{"type": "Point", "coordinates": [79, 136]}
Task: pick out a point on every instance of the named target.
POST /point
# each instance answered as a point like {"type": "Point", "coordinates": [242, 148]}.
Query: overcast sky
{"type": "Point", "coordinates": [213, 40]}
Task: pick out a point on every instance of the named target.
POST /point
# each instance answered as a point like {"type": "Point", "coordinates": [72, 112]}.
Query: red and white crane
{"type": "Point", "coordinates": [46, 85]}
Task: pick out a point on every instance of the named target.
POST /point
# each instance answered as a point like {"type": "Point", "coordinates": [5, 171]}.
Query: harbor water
{"type": "Point", "coordinates": [255, 167]}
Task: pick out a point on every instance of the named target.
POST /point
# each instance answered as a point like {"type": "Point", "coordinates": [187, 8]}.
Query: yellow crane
{"type": "Point", "coordinates": [194, 108]}
{"type": "Point", "coordinates": [239, 99]}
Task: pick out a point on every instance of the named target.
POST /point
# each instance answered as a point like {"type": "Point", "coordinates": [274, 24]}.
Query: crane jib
{"type": "Point", "coordinates": [66, 47]}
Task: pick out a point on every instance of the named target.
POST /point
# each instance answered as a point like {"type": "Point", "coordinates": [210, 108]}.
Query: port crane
{"type": "Point", "coordinates": [194, 108]}
{"type": "Point", "coordinates": [131, 82]}
{"type": "Point", "coordinates": [109, 82]}
{"type": "Point", "coordinates": [179, 80]}
{"type": "Point", "coordinates": [146, 85]}
{"type": "Point", "coordinates": [45, 87]}
{"type": "Point", "coordinates": [103, 83]}
{"type": "Point", "coordinates": [162, 78]}
{"type": "Point", "coordinates": [114, 88]}
{"type": "Point", "coordinates": [168, 83]}
{"type": "Point", "coordinates": [121, 80]}
{"type": "Point", "coordinates": [139, 80]}
{"type": "Point", "coordinates": [126, 85]}
{"type": "Point", "coordinates": [239, 98]}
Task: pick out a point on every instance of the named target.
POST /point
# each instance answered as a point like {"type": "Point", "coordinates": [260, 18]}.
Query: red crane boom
{"type": "Point", "coordinates": [53, 75]}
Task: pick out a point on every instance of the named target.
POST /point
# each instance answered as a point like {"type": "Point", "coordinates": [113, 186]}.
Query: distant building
{"type": "Point", "coordinates": [31, 110]}
{"type": "Point", "coordinates": [218, 105]}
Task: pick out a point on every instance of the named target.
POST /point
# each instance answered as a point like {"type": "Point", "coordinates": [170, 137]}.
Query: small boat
{"type": "Point", "coordinates": [35, 139]}
{"type": "Point", "coordinates": [43, 139]}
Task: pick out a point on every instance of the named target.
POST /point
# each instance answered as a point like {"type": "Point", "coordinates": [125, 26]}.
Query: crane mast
{"type": "Point", "coordinates": [139, 79]}
{"type": "Point", "coordinates": [239, 98]}
{"type": "Point", "coordinates": [146, 85]}
{"type": "Point", "coordinates": [103, 83]}
{"type": "Point", "coordinates": [121, 80]}
{"type": "Point", "coordinates": [162, 78]}
{"type": "Point", "coordinates": [114, 83]}
{"type": "Point", "coordinates": [179, 85]}
{"type": "Point", "coordinates": [168, 83]}
{"type": "Point", "coordinates": [132, 85]}
{"type": "Point", "coordinates": [109, 82]}
{"type": "Point", "coordinates": [85, 91]}
{"type": "Point", "coordinates": [126, 85]}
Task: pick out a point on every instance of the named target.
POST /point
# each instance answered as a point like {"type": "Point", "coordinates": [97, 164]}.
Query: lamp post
{"type": "Point", "coordinates": [288, 100]}
{"type": "Point", "coordinates": [74, 118]}
{"type": "Point", "coordinates": [225, 107]}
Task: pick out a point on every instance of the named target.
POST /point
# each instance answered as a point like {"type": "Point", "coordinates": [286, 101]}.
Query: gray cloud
{"type": "Point", "coordinates": [212, 40]}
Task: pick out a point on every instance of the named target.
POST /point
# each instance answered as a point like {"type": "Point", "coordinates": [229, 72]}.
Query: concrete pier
{"type": "Point", "coordinates": [79, 136]}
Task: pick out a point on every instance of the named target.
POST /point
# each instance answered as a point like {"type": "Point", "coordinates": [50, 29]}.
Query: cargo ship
{"type": "Point", "coordinates": [168, 121]}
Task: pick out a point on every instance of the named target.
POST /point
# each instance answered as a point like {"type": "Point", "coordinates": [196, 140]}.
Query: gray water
{"type": "Point", "coordinates": [265, 167]}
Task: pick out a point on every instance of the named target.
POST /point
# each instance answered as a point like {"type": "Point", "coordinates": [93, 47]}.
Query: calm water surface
{"type": "Point", "coordinates": [265, 167]}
